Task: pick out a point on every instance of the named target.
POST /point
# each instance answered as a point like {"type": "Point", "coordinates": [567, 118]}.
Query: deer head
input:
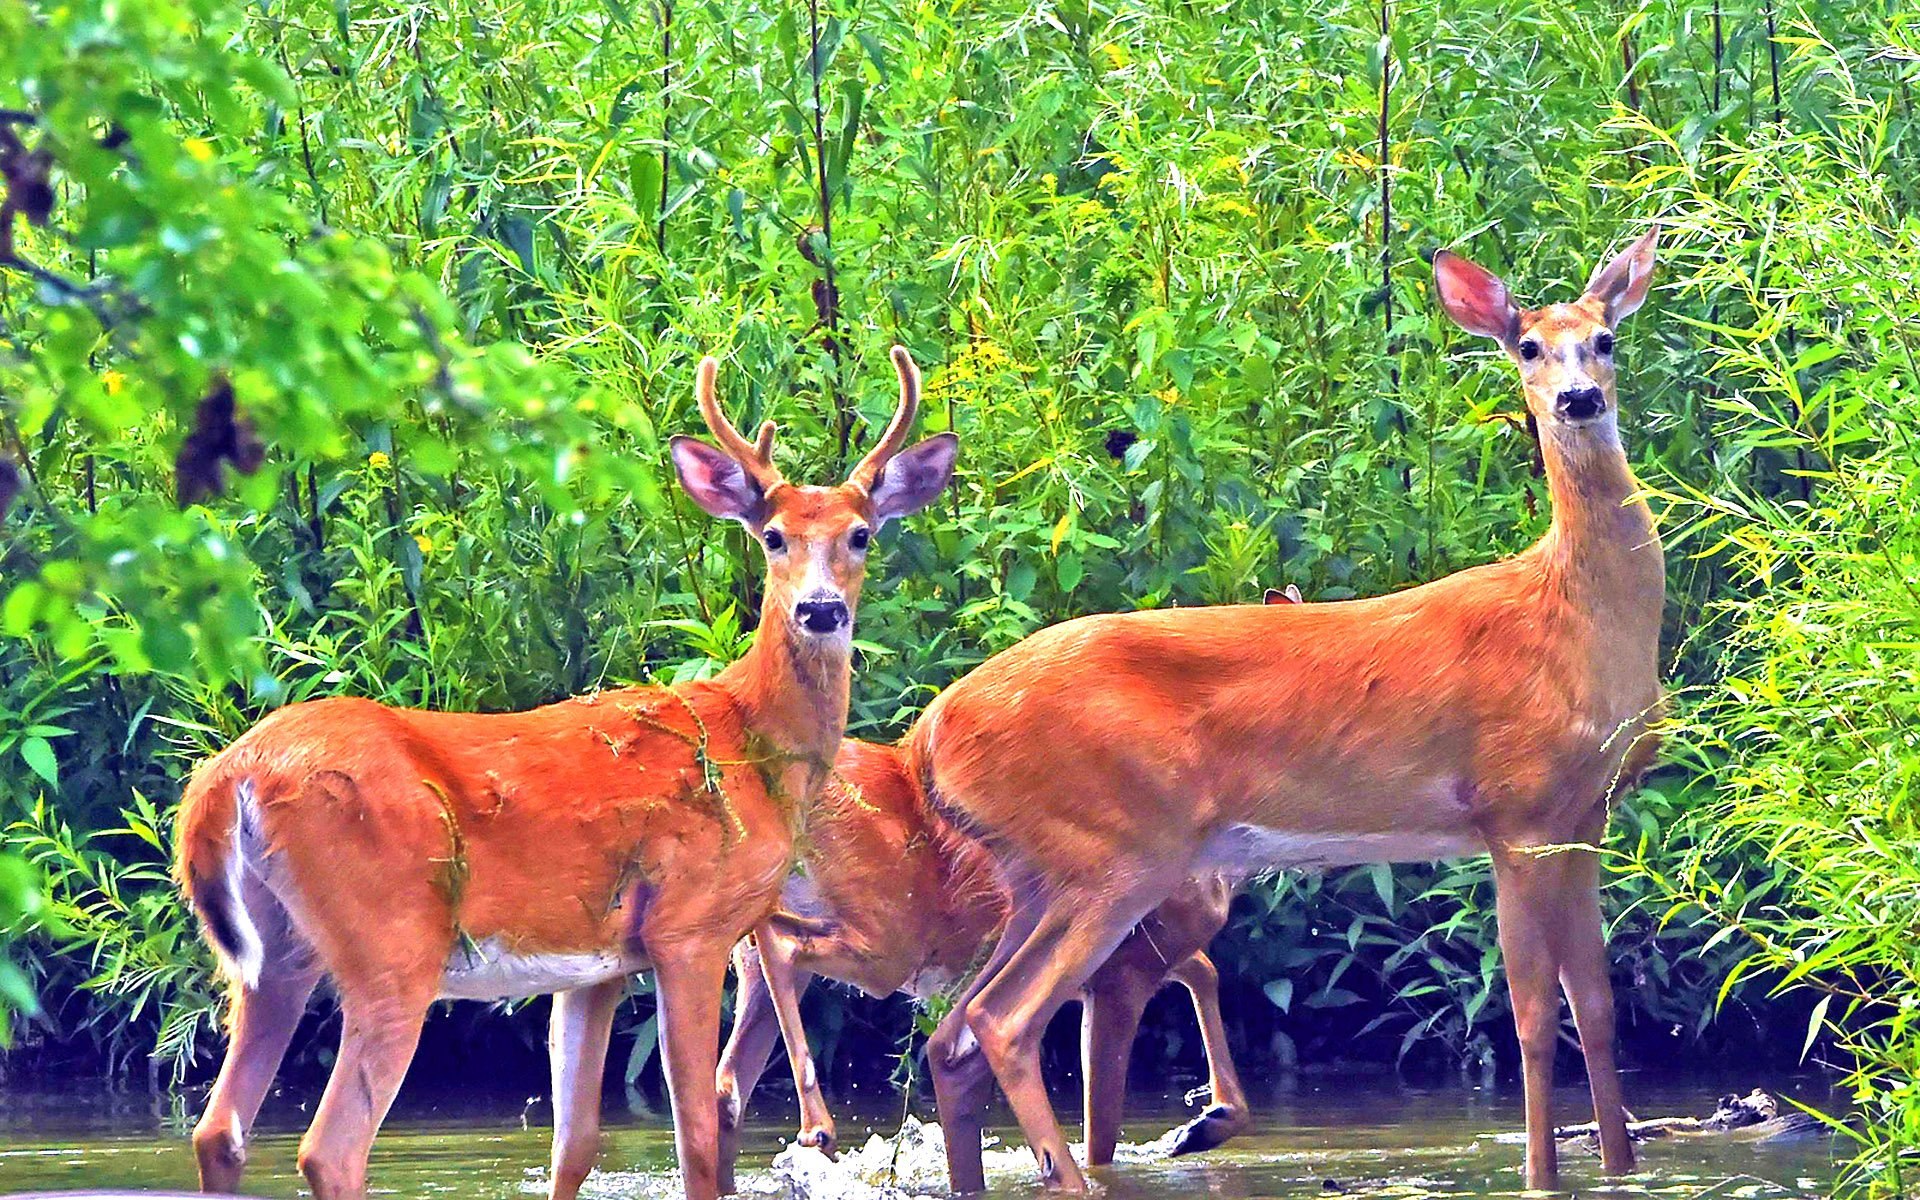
{"type": "Point", "coordinates": [1564, 351]}
{"type": "Point", "coordinates": [815, 538]}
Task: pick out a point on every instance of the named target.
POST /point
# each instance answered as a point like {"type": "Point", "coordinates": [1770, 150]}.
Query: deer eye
{"type": "Point", "coordinates": [1603, 343]}
{"type": "Point", "coordinates": [774, 539]}
{"type": "Point", "coordinates": [1529, 350]}
{"type": "Point", "coordinates": [859, 538]}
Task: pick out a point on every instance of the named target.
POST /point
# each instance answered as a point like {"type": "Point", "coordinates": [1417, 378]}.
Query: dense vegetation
{"type": "Point", "coordinates": [441, 277]}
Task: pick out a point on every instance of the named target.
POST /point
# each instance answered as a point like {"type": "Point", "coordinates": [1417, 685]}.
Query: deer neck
{"type": "Point", "coordinates": [793, 690]}
{"type": "Point", "coordinates": [1602, 548]}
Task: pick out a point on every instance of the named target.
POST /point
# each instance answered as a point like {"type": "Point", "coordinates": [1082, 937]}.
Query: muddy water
{"type": "Point", "coordinates": [1360, 1135]}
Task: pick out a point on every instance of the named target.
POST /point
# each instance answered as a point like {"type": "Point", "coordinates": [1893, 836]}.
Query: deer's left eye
{"type": "Point", "coordinates": [1603, 343]}
{"type": "Point", "coordinates": [859, 538]}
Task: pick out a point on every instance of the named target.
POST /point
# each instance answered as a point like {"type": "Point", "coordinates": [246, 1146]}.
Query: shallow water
{"type": "Point", "coordinates": [1368, 1134]}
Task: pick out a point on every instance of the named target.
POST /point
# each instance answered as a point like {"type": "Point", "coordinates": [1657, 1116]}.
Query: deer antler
{"type": "Point", "coordinates": [755, 457]}
{"type": "Point", "coordinates": [868, 469]}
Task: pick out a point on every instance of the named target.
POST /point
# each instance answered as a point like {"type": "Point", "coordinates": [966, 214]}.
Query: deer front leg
{"type": "Point", "coordinates": [689, 980]}
{"type": "Point", "coordinates": [1584, 978]}
{"type": "Point", "coordinates": [1227, 1115]}
{"type": "Point", "coordinates": [784, 983]}
{"type": "Point", "coordinates": [1109, 1018]}
{"type": "Point", "coordinates": [1527, 896]}
{"type": "Point", "coordinates": [577, 1037]}
{"type": "Point", "coordinates": [749, 1044]}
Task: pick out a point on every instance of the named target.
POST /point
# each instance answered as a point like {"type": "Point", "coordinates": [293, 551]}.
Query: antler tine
{"type": "Point", "coordinates": [754, 457]}
{"type": "Point", "coordinates": [895, 438]}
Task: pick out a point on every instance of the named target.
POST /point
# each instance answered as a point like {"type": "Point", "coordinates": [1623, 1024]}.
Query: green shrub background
{"type": "Point", "coordinates": [1163, 264]}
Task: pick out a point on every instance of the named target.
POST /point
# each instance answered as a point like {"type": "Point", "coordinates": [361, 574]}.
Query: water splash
{"type": "Point", "coordinates": [909, 1165]}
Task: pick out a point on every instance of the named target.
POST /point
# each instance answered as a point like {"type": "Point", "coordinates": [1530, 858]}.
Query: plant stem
{"type": "Point", "coordinates": [827, 299]}
{"type": "Point", "coordinates": [666, 120]}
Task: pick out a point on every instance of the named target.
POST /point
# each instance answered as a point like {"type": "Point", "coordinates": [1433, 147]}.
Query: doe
{"type": "Point", "coordinates": [1497, 710]}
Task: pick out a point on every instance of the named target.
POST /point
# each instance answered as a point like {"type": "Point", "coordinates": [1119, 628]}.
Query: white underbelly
{"type": "Point", "coordinates": [488, 971]}
{"type": "Point", "coordinates": [1252, 849]}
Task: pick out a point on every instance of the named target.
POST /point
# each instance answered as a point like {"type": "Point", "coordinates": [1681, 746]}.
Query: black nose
{"type": "Point", "coordinates": [1582, 403]}
{"type": "Point", "coordinates": [822, 616]}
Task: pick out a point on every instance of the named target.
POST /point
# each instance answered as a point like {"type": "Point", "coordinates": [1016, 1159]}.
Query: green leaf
{"type": "Point", "coordinates": [1816, 1021]}
{"type": "Point", "coordinates": [38, 754]}
{"type": "Point", "coordinates": [1067, 570]}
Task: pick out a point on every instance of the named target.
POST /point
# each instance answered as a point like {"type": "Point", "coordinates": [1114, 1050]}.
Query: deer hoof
{"type": "Point", "coordinates": [821, 1140]}
{"type": "Point", "coordinates": [1206, 1131]}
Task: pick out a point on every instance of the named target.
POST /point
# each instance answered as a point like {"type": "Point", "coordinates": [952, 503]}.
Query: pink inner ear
{"type": "Point", "coordinates": [715, 482]}
{"type": "Point", "coordinates": [1474, 297]}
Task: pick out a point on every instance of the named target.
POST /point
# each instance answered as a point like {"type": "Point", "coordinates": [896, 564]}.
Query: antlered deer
{"type": "Point", "coordinates": [1499, 710]}
{"type": "Point", "coordinates": [412, 856]}
{"type": "Point", "coordinates": [889, 900]}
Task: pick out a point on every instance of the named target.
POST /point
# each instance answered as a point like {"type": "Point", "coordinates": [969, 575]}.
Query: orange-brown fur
{"type": "Point", "coordinates": [900, 902]}
{"type": "Point", "coordinates": [1497, 709]}
{"type": "Point", "coordinates": [398, 851]}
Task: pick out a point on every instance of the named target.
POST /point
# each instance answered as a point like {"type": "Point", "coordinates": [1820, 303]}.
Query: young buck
{"type": "Point", "coordinates": [1498, 710]}
{"type": "Point", "coordinates": [889, 900]}
{"type": "Point", "coordinates": [411, 856]}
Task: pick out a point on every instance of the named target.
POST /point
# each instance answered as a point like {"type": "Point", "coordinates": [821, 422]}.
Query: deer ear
{"type": "Point", "coordinates": [716, 482]}
{"type": "Point", "coordinates": [912, 478]}
{"type": "Point", "coordinates": [1622, 284]}
{"type": "Point", "coordinates": [1475, 298]}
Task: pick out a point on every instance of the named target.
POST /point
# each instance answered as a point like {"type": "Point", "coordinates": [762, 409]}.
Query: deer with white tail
{"type": "Point", "coordinates": [410, 856]}
{"type": "Point", "coordinates": [1498, 710]}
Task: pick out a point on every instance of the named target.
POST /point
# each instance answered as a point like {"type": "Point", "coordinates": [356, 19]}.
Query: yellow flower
{"type": "Point", "coordinates": [198, 149]}
{"type": "Point", "coordinates": [379, 461]}
{"type": "Point", "coordinates": [424, 542]}
{"type": "Point", "coordinates": [113, 381]}
{"type": "Point", "coordinates": [1168, 396]}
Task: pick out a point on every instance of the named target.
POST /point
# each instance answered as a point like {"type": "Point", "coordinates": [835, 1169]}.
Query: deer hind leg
{"type": "Point", "coordinates": [1110, 1013]}
{"type": "Point", "coordinates": [689, 980]}
{"type": "Point", "coordinates": [1074, 934]}
{"type": "Point", "coordinates": [380, 1027]}
{"type": "Point", "coordinates": [262, 1023]}
{"type": "Point", "coordinates": [577, 1037]}
{"type": "Point", "coordinates": [786, 982]}
{"type": "Point", "coordinates": [1227, 1115]}
{"type": "Point", "coordinates": [1584, 977]}
{"type": "Point", "coordinates": [962, 1077]}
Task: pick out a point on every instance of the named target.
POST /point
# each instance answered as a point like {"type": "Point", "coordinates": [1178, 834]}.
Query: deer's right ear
{"type": "Point", "coordinates": [716, 482]}
{"type": "Point", "coordinates": [1475, 298]}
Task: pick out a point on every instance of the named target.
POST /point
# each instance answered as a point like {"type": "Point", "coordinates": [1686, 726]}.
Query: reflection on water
{"type": "Point", "coordinates": [1320, 1137]}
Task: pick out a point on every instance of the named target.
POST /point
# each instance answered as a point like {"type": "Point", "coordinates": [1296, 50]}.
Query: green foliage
{"type": "Point", "coordinates": [20, 903]}
{"type": "Point", "coordinates": [455, 267]}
